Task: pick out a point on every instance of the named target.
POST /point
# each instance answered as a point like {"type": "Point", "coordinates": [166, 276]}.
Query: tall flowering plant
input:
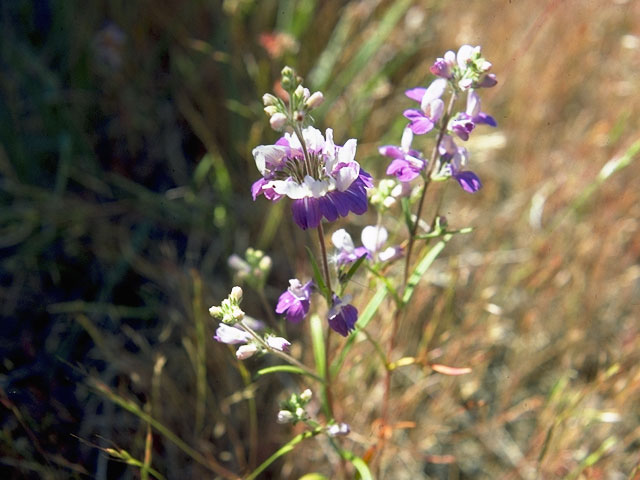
{"type": "Point", "coordinates": [324, 183]}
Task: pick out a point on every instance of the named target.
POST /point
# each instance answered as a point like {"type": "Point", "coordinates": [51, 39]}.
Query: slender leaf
{"type": "Point", "coordinates": [422, 268]}
{"type": "Point", "coordinates": [286, 448]}
{"type": "Point", "coordinates": [285, 368]}
{"type": "Point", "coordinates": [352, 271]}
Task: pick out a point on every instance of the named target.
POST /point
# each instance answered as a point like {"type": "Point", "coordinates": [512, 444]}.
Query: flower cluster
{"type": "Point", "coordinates": [253, 269]}
{"type": "Point", "coordinates": [293, 410]}
{"type": "Point", "coordinates": [461, 72]}
{"type": "Point", "coordinates": [235, 329]}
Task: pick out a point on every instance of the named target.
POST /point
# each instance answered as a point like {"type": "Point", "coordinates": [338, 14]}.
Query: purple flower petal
{"type": "Point", "coordinates": [468, 180]}
{"type": "Point", "coordinates": [342, 316]}
{"type": "Point", "coordinates": [416, 93]}
{"type": "Point", "coordinates": [306, 212]}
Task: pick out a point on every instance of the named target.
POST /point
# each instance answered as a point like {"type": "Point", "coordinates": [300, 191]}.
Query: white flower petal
{"type": "Point", "coordinates": [342, 240]}
{"type": "Point", "coordinates": [268, 157]}
{"type": "Point", "coordinates": [373, 237]}
{"type": "Point", "coordinates": [346, 175]}
{"type": "Point", "coordinates": [407, 138]}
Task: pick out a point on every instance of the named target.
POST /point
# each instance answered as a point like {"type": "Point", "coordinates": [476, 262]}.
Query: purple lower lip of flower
{"type": "Point", "coordinates": [403, 170]}
{"type": "Point", "coordinates": [468, 180]}
{"type": "Point", "coordinates": [309, 211]}
{"type": "Point", "coordinates": [420, 123]}
{"type": "Point", "coordinates": [342, 316]}
{"type": "Point", "coordinates": [295, 301]}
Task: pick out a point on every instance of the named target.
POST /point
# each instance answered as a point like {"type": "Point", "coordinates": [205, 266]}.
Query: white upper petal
{"type": "Point", "coordinates": [473, 103]}
{"type": "Point", "coordinates": [407, 138]}
{"type": "Point", "coordinates": [268, 156]}
{"type": "Point", "coordinates": [464, 54]}
{"type": "Point", "coordinates": [342, 240]}
{"type": "Point", "coordinates": [374, 237]}
{"type": "Point", "coordinates": [346, 175]}
{"type": "Point", "coordinates": [434, 91]}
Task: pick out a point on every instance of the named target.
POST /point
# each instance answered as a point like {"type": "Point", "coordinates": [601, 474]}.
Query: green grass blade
{"type": "Point", "coordinates": [286, 448]}
{"type": "Point", "coordinates": [422, 268]}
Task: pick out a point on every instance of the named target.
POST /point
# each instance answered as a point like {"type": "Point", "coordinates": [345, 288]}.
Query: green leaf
{"type": "Point", "coordinates": [317, 275]}
{"type": "Point", "coordinates": [283, 368]}
{"type": "Point", "coordinates": [286, 448]}
{"type": "Point", "coordinates": [352, 271]}
{"type": "Point", "coordinates": [360, 464]}
{"type": "Point", "coordinates": [422, 268]}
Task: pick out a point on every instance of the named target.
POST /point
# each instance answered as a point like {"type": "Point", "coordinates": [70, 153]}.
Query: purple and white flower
{"type": "Point", "coordinates": [431, 106]}
{"type": "Point", "coordinates": [278, 343]}
{"type": "Point", "coordinates": [373, 240]}
{"type": "Point", "coordinates": [231, 335]}
{"type": "Point", "coordinates": [407, 163]}
{"type": "Point", "coordinates": [473, 111]}
{"type": "Point", "coordinates": [329, 184]}
{"type": "Point", "coordinates": [456, 159]}
{"type": "Point", "coordinates": [295, 301]}
{"type": "Point", "coordinates": [342, 315]}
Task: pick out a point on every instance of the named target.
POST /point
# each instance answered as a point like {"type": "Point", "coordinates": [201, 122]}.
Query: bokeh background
{"type": "Point", "coordinates": [126, 131]}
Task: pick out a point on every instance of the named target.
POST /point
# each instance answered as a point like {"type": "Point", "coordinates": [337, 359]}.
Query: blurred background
{"type": "Point", "coordinates": [126, 131]}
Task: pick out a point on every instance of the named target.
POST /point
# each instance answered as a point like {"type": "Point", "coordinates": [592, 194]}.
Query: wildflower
{"type": "Point", "coordinates": [295, 301]}
{"type": "Point", "coordinates": [278, 343]}
{"type": "Point", "coordinates": [473, 111]}
{"type": "Point", "coordinates": [229, 311]}
{"type": "Point", "coordinates": [246, 351]}
{"type": "Point", "coordinates": [329, 184]}
{"type": "Point", "coordinates": [338, 429]}
{"type": "Point", "coordinates": [407, 163]}
{"type": "Point", "coordinates": [285, 416]}
{"type": "Point", "coordinates": [373, 239]}
{"type": "Point", "coordinates": [431, 106]}
{"type": "Point", "coordinates": [231, 335]}
{"type": "Point", "coordinates": [456, 159]}
{"type": "Point", "coordinates": [342, 315]}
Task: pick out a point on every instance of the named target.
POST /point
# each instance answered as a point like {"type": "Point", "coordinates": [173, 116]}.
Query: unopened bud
{"type": "Point", "coordinates": [216, 312]}
{"type": "Point", "coordinates": [246, 351]}
{"type": "Point", "coordinates": [278, 120]}
{"type": "Point", "coordinates": [338, 429]}
{"type": "Point", "coordinates": [236, 294]}
{"type": "Point", "coordinates": [265, 264]}
{"type": "Point", "coordinates": [299, 91]}
{"type": "Point", "coordinates": [271, 110]}
{"type": "Point", "coordinates": [314, 100]}
{"type": "Point", "coordinates": [285, 416]}
{"type": "Point", "coordinates": [306, 395]}
{"type": "Point", "coordinates": [269, 100]}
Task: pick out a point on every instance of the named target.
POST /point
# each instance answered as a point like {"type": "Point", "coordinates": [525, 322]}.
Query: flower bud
{"type": "Point", "coordinates": [246, 351]}
{"type": "Point", "coordinates": [265, 264]}
{"type": "Point", "coordinates": [271, 110]}
{"type": "Point", "coordinates": [269, 100]}
{"type": "Point", "coordinates": [285, 416]}
{"type": "Point", "coordinates": [299, 91]}
{"type": "Point", "coordinates": [300, 413]}
{"type": "Point", "coordinates": [216, 312]}
{"type": "Point", "coordinates": [236, 294]}
{"type": "Point", "coordinates": [278, 120]}
{"type": "Point", "coordinates": [338, 429]}
{"type": "Point", "coordinates": [306, 395]}
{"type": "Point", "coordinates": [314, 100]}
{"type": "Point", "coordinates": [278, 343]}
